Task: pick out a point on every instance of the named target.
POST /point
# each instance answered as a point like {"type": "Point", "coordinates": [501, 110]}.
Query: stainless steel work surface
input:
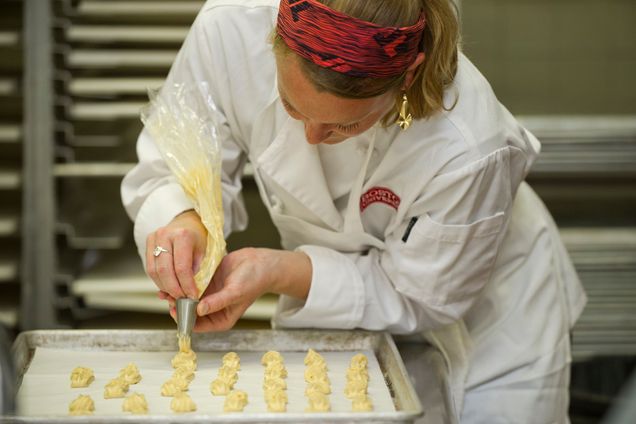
{"type": "Point", "coordinates": [336, 346]}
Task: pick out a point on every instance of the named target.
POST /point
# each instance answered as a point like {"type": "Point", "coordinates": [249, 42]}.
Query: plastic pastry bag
{"type": "Point", "coordinates": [183, 120]}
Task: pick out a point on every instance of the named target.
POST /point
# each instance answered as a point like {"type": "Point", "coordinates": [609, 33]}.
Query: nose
{"type": "Point", "coordinates": [316, 133]}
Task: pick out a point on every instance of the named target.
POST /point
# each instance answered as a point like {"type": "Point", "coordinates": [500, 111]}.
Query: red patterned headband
{"type": "Point", "coordinates": [348, 45]}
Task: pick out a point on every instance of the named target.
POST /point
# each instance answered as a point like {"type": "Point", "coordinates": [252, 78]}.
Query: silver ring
{"type": "Point", "coordinates": [159, 250]}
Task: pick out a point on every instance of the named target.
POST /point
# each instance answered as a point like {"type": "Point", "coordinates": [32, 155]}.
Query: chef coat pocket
{"type": "Point", "coordinates": [448, 264]}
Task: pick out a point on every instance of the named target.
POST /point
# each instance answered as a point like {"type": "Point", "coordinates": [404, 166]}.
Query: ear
{"type": "Point", "coordinates": [410, 71]}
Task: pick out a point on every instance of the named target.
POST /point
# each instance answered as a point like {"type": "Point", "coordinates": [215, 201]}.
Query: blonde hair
{"type": "Point", "coordinates": [440, 44]}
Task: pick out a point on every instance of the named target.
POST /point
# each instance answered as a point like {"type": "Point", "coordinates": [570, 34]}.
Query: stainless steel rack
{"type": "Point", "coordinates": [115, 52]}
{"type": "Point", "coordinates": [11, 100]}
{"type": "Point", "coordinates": [586, 174]}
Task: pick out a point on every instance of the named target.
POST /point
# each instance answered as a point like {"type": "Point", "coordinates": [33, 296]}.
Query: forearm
{"type": "Point", "coordinates": [360, 291]}
{"type": "Point", "coordinates": [292, 276]}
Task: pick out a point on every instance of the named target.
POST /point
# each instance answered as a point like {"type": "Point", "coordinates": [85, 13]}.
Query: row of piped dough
{"type": "Point", "coordinates": [356, 388]}
{"type": "Point", "coordinates": [184, 364]}
{"type": "Point", "coordinates": [223, 384]}
{"type": "Point", "coordinates": [274, 384]}
{"type": "Point", "coordinates": [318, 385]}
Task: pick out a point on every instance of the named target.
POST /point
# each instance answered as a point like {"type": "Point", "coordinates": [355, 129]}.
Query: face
{"type": "Point", "coordinates": [328, 118]}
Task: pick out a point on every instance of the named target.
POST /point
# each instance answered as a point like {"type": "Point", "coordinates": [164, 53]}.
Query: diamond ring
{"type": "Point", "coordinates": [159, 250]}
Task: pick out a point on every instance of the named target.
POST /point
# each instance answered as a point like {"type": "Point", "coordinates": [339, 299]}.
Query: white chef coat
{"type": "Point", "coordinates": [429, 231]}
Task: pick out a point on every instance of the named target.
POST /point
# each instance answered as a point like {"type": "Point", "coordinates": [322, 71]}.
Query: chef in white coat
{"type": "Point", "coordinates": [395, 179]}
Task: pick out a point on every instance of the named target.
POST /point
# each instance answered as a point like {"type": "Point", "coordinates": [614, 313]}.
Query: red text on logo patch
{"type": "Point", "coordinates": [379, 194]}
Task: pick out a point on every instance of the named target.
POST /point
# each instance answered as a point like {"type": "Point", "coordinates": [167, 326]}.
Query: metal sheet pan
{"type": "Point", "coordinates": [407, 404]}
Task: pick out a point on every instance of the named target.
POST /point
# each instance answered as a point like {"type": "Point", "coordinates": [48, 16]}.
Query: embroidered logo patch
{"type": "Point", "coordinates": [379, 194]}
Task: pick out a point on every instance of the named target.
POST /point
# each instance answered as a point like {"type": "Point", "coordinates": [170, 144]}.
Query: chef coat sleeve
{"type": "Point", "coordinates": [151, 195]}
{"type": "Point", "coordinates": [431, 268]}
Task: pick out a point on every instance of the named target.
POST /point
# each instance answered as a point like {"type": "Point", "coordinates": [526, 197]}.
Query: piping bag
{"type": "Point", "coordinates": [183, 122]}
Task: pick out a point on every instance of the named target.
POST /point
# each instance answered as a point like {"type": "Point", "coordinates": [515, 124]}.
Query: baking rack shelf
{"type": "Point", "coordinates": [131, 34]}
{"type": "Point", "coordinates": [140, 10]}
{"type": "Point", "coordinates": [584, 144]}
{"type": "Point", "coordinates": [9, 221]}
{"type": "Point", "coordinates": [8, 267]}
{"type": "Point", "coordinates": [113, 87]}
{"type": "Point", "coordinates": [606, 261]}
{"type": "Point", "coordinates": [10, 133]}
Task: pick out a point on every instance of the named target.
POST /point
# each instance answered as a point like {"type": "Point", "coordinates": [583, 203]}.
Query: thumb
{"type": "Point", "coordinates": [215, 302]}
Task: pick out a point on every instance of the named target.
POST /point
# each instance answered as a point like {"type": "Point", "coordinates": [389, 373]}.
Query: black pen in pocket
{"type": "Point", "coordinates": [409, 227]}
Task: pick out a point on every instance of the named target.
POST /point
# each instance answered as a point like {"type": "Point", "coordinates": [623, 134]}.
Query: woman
{"type": "Point", "coordinates": [421, 227]}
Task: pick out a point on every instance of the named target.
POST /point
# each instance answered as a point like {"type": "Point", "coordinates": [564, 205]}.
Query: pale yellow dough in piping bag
{"type": "Point", "coordinates": [183, 122]}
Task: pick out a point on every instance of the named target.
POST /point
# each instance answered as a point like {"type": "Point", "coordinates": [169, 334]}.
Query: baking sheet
{"type": "Point", "coordinates": [406, 404]}
{"type": "Point", "coordinates": [46, 390]}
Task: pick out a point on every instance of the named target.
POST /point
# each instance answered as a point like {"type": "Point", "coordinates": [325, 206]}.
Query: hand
{"type": "Point", "coordinates": [243, 276]}
{"type": "Point", "coordinates": [173, 271]}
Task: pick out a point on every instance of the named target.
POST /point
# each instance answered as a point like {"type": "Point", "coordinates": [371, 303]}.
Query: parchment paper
{"type": "Point", "coordinates": [46, 390]}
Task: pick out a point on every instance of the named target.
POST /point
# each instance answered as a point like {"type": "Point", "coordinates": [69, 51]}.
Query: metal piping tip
{"type": "Point", "coordinates": [186, 315]}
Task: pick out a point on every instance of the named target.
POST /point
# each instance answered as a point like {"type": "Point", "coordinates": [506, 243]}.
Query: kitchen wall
{"type": "Point", "coordinates": [555, 56]}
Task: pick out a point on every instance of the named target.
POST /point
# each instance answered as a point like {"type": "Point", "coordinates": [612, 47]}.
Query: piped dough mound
{"type": "Point", "coordinates": [232, 360]}
{"type": "Point", "coordinates": [181, 402]}
{"type": "Point", "coordinates": [361, 403]}
{"type": "Point", "coordinates": [318, 402]}
{"type": "Point", "coordinates": [235, 401]}
{"type": "Point", "coordinates": [176, 384]}
{"type": "Point", "coordinates": [115, 388]}
{"type": "Point", "coordinates": [271, 356]}
{"type": "Point", "coordinates": [130, 374]}
{"type": "Point", "coordinates": [81, 377]}
{"type": "Point", "coordinates": [276, 400]}
{"type": "Point", "coordinates": [82, 405]}
{"type": "Point", "coordinates": [135, 403]}
{"type": "Point", "coordinates": [185, 360]}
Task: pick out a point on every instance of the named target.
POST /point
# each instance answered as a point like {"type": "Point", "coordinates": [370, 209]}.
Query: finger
{"type": "Point", "coordinates": [183, 264]}
{"type": "Point", "coordinates": [216, 302]}
{"type": "Point", "coordinates": [165, 296]}
{"type": "Point", "coordinates": [219, 300]}
{"type": "Point", "coordinates": [173, 313]}
{"type": "Point", "coordinates": [196, 261]}
{"type": "Point", "coordinates": [165, 268]}
{"type": "Point", "coordinates": [151, 270]}
{"type": "Point", "coordinates": [219, 321]}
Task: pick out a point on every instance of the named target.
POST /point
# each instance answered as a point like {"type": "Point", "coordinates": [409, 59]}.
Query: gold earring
{"type": "Point", "coordinates": [404, 118]}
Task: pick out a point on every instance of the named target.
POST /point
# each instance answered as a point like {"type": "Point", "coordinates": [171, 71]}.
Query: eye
{"type": "Point", "coordinates": [289, 108]}
{"type": "Point", "coordinates": [348, 128]}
